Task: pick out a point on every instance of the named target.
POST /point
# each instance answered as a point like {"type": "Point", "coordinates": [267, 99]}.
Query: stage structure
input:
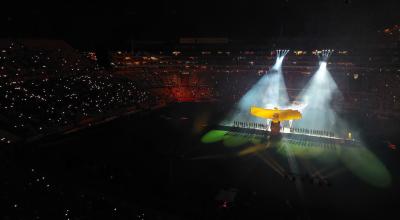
{"type": "Point", "coordinates": [269, 92]}
{"type": "Point", "coordinates": [276, 116]}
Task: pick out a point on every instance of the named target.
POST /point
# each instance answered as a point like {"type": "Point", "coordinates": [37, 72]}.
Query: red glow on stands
{"type": "Point", "coordinates": [189, 93]}
{"type": "Point", "coordinates": [392, 146]}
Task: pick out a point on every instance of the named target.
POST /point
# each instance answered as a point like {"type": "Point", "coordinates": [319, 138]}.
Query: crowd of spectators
{"type": "Point", "coordinates": [45, 90]}
{"type": "Point", "coordinates": [48, 90]}
{"type": "Point", "coordinates": [367, 83]}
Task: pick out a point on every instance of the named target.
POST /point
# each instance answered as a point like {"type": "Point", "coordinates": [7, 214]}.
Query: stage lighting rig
{"type": "Point", "coordinates": [324, 55]}
{"type": "Point", "coordinates": [281, 53]}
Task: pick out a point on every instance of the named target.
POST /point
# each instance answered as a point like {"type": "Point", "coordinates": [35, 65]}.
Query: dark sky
{"type": "Point", "coordinates": [246, 19]}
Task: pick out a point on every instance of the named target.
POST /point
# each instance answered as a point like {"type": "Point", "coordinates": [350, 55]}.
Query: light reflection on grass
{"type": "Point", "coordinates": [236, 140]}
{"type": "Point", "coordinates": [364, 164]}
{"type": "Point", "coordinates": [213, 136]}
{"type": "Point", "coordinates": [358, 159]}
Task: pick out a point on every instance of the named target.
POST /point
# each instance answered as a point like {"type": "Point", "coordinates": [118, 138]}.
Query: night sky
{"type": "Point", "coordinates": [115, 21]}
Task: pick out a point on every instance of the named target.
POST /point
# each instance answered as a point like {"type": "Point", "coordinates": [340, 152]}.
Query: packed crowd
{"type": "Point", "coordinates": [48, 90]}
{"type": "Point", "coordinates": [52, 90]}
{"type": "Point", "coordinates": [366, 83]}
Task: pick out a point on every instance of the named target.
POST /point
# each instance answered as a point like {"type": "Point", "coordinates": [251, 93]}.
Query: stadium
{"type": "Point", "coordinates": [200, 128]}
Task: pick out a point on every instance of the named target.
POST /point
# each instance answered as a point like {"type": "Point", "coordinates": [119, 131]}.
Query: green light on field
{"type": "Point", "coordinates": [300, 149]}
{"type": "Point", "coordinates": [229, 139]}
{"type": "Point", "coordinates": [251, 150]}
{"type": "Point", "coordinates": [357, 159]}
{"type": "Point", "coordinates": [364, 164]}
{"type": "Point", "coordinates": [256, 140]}
{"type": "Point", "coordinates": [236, 140]}
{"type": "Point", "coordinates": [213, 136]}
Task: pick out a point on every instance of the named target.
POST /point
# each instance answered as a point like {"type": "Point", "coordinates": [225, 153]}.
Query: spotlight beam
{"type": "Point", "coordinates": [268, 92]}
{"type": "Point", "coordinates": [317, 95]}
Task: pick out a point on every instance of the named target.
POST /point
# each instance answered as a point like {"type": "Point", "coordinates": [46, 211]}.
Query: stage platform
{"type": "Point", "coordinates": [287, 134]}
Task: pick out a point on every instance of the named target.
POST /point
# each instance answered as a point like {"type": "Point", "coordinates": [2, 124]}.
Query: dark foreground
{"type": "Point", "coordinates": [158, 165]}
